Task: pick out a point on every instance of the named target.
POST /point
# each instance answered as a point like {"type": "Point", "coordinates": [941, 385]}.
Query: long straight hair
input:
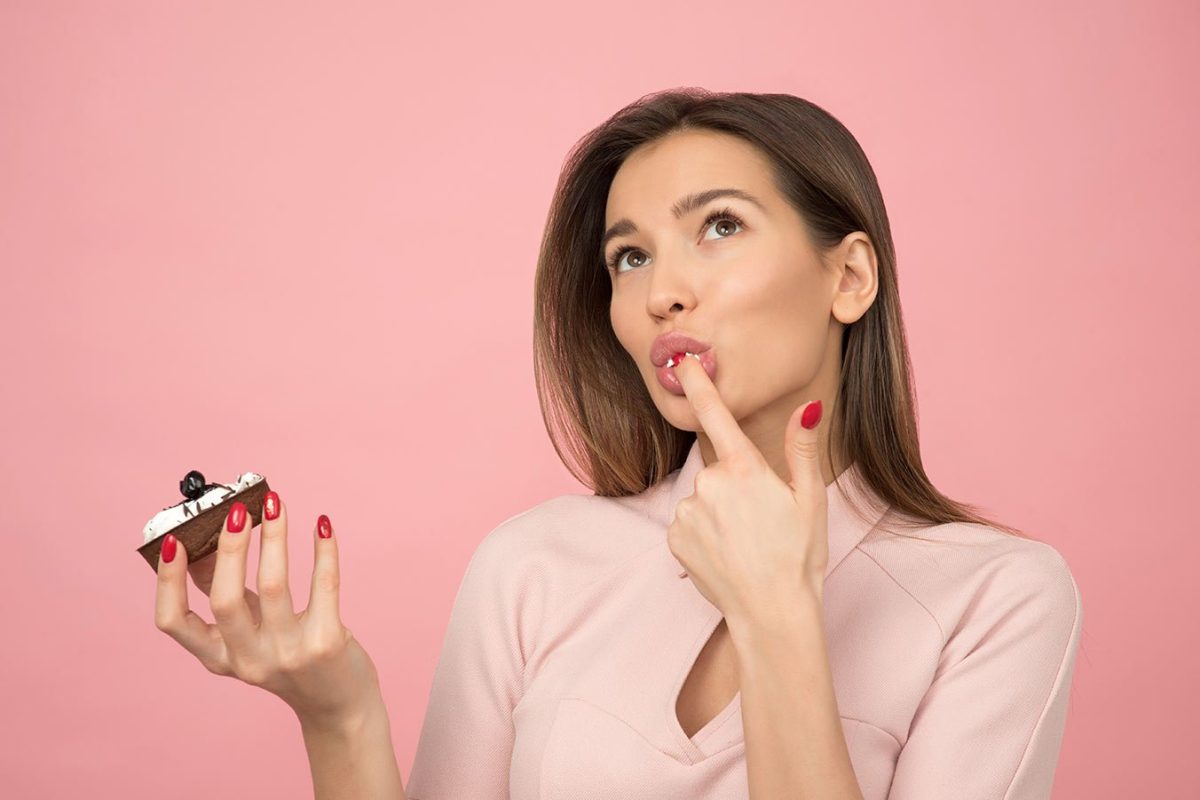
{"type": "Point", "coordinates": [599, 414]}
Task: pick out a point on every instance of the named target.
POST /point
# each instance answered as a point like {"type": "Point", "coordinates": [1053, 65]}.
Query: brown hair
{"type": "Point", "coordinates": [594, 401]}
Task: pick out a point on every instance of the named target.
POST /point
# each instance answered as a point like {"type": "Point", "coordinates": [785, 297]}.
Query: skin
{"type": "Point", "coordinates": [309, 660]}
{"type": "Point", "coordinates": [757, 548]}
{"type": "Point", "coordinates": [762, 295]}
{"type": "Point", "coordinates": [774, 317]}
{"type": "Point", "coordinates": [753, 535]}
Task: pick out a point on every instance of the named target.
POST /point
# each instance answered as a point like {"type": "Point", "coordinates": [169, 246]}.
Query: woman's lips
{"type": "Point", "coordinates": [670, 381]}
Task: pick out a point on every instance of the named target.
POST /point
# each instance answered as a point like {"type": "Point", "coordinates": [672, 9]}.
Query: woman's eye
{"type": "Point", "coordinates": [615, 261]}
{"type": "Point", "coordinates": [731, 222]}
{"type": "Point", "coordinates": [714, 221]}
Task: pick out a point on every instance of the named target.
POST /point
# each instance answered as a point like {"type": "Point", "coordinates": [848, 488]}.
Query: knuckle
{"type": "Point", "coordinates": [673, 539]}
{"type": "Point", "coordinates": [742, 465]}
{"type": "Point", "coordinates": [684, 508]}
{"type": "Point", "coordinates": [165, 622]}
{"type": "Point", "coordinates": [230, 543]}
{"type": "Point", "coordinates": [803, 446]}
{"type": "Point", "coordinates": [253, 673]}
{"type": "Point", "coordinates": [215, 661]}
{"type": "Point", "coordinates": [273, 588]}
{"type": "Point", "coordinates": [292, 660]}
{"type": "Point", "coordinates": [326, 647]}
{"type": "Point", "coordinates": [274, 532]}
{"type": "Point", "coordinates": [217, 667]}
{"type": "Point", "coordinates": [223, 608]}
{"type": "Point", "coordinates": [328, 581]}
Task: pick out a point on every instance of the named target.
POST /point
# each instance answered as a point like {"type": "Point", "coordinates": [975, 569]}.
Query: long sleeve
{"type": "Point", "coordinates": [991, 724]}
{"type": "Point", "coordinates": [467, 736]}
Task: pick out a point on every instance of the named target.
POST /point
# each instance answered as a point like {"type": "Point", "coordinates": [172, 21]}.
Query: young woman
{"type": "Point", "coordinates": [765, 596]}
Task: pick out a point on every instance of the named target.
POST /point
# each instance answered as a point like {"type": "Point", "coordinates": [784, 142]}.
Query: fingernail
{"type": "Point", "coordinates": [324, 529]}
{"type": "Point", "coordinates": [271, 505]}
{"type": "Point", "coordinates": [236, 520]}
{"type": "Point", "coordinates": [168, 549]}
{"type": "Point", "coordinates": [811, 415]}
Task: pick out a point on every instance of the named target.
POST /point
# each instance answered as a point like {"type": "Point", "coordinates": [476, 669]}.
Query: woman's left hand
{"type": "Point", "coordinates": [750, 542]}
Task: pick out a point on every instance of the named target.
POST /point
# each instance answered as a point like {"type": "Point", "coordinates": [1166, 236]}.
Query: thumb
{"type": "Point", "coordinates": [803, 447]}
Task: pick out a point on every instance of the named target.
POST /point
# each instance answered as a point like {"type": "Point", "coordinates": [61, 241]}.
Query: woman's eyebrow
{"type": "Point", "coordinates": [684, 205]}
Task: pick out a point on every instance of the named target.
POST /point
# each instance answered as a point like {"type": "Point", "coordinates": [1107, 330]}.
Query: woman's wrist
{"type": "Point", "coordinates": [351, 754]}
{"type": "Point", "coordinates": [348, 721]}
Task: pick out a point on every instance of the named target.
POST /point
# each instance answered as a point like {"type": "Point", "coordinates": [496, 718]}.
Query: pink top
{"type": "Point", "coordinates": [572, 633]}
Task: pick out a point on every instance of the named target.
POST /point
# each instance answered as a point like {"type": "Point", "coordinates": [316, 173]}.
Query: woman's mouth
{"type": "Point", "coordinates": [670, 381]}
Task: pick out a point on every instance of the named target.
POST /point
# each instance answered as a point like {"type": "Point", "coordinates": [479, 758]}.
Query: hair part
{"type": "Point", "coordinates": [600, 416]}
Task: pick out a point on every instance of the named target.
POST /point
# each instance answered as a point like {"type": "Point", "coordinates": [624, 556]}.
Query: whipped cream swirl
{"type": "Point", "coordinates": [179, 513]}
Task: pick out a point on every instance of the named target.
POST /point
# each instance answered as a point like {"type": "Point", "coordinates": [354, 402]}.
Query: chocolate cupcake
{"type": "Point", "coordinates": [196, 521]}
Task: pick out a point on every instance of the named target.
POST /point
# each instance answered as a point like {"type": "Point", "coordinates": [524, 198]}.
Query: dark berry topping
{"type": "Point", "coordinates": [192, 485]}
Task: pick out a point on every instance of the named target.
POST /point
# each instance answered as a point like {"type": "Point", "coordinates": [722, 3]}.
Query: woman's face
{"type": "Point", "coordinates": [751, 286]}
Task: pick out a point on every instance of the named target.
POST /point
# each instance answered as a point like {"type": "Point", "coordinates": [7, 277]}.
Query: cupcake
{"type": "Point", "coordinates": [196, 521]}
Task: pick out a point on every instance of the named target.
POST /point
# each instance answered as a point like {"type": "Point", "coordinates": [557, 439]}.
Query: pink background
{"type": "Point", "coordinates": [301, 240]}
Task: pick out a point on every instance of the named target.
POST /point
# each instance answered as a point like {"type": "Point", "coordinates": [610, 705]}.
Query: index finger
{"type": "Point", "coordinates": [718, 421]}
{"type": "Point", "coordinates": [228, 595]}
{"type": "Point", "coordinates": [172, 615]}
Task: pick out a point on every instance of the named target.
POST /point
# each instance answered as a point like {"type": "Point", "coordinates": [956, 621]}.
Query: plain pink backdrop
{"type": "Point", "coordinates": [300, 240]}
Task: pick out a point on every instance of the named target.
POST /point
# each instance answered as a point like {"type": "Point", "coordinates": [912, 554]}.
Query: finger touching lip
{"type": "Point", "coordinates": [670, 381]}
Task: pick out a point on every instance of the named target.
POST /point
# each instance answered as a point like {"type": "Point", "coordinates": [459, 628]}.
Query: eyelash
{"type": "Point", "coordinates": [716, 216]}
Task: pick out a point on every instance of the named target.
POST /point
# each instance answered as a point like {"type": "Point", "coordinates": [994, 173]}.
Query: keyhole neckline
{"type": "Point", "coordinates": [694, 746]}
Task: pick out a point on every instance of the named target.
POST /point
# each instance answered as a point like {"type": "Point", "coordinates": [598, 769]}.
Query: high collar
{"type": "Point", "coordinates": [846, 528]}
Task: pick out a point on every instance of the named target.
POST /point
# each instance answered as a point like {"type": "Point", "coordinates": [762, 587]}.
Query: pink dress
{"type": "Point", "coordinates": [572, 633]}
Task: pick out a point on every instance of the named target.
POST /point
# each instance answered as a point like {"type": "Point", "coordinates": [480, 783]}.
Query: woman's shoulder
{"type": "Point", "coordinates": [566, 539]}
{"type": "Point", "coordinates": [963, 570]}
{"type": "Point", "coordinates": [953, 548]}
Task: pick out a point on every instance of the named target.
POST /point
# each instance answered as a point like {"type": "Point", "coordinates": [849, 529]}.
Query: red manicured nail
{"type": "Point", "coordinates": [236, 520]}
{"type": "Point", "coordinates": [811, 415]}
{"type": "Point", "coordinates": [271, 505]}
{"type": "Point", "coordinates": [324, 529]}
{"type": "Point", "coordinates": [168, 548]}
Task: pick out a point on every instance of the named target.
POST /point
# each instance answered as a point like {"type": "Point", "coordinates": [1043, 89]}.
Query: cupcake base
{"type": "Point", "coordinates": [199, 534]}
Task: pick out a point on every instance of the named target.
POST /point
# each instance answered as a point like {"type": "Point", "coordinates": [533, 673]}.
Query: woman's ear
{"type": "Point", "coordinates": [857, 276]}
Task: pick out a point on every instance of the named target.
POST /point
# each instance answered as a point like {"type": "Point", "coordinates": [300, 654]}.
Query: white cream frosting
{"type": "Point", "coordinates": [171, 517]}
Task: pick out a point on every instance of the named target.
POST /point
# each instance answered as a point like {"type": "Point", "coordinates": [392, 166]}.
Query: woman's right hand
{"type": "Point", "coordinates": [309, 660]}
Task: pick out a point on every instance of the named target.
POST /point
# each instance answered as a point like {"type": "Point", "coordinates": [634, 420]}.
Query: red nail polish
{"type": "Point", "coordinates": [324, 530]}
{"type": "Point", "coordinates": [168, 548]}
{"type": "Point", "coordinates": [271, 505]}
{"type": "Point", "coordinates": [811, 415]}
{"type": "Point", "coordinates": [236, 519]}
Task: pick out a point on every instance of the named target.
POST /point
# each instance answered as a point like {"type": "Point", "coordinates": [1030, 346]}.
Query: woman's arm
{"type": "Point", "coordinates": [353, 757]}
{"type": "Point", "coordinates": [468, 735]}
{"type": "Point", "coordinates": [311, 661]}
{"type": "Point", "coordinates": [795, 747]}
{"type": "Point", "coordinates": [991, 724]}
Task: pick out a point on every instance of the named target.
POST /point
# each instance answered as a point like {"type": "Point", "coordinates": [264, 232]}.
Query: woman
{"type": "Point", "coordinates": [751, 604]}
